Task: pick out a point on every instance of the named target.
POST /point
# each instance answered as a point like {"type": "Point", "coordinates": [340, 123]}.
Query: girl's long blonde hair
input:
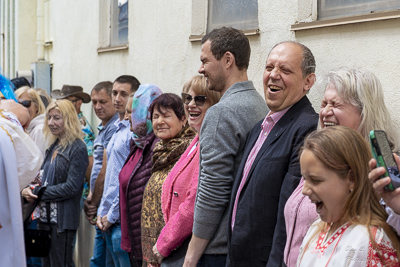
{"type": "Point", "coordinates": [343, 150]}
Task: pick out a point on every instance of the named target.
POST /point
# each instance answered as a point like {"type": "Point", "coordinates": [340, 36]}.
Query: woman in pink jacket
{"type": "Point", "coordinates": [179, 188]}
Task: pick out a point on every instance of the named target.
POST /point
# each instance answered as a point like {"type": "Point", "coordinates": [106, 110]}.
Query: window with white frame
{"type": "Point", "coordinates": [113, 23]}
{"type": "Point", "coordinates": [239, 14]}
{"type": "Point", "coordinates": [119, 22]}
{"type": "Point", "coordinates": [330, 9]}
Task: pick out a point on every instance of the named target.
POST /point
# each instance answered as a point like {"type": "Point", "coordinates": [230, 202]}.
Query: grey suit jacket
{"type": "Point", "coordinates": [222, 139]}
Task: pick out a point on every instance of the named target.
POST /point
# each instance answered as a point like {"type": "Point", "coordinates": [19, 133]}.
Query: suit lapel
{"type": "Point", "coordinates": [277, 131]}
{"type": "Point", "coordinates": [247, 149]}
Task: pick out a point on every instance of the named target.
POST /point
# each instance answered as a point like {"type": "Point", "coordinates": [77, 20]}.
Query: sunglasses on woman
{"type": "Point", "coordinates": [199, 100]}
{"type": "Point", "coordinates": [26, 103]}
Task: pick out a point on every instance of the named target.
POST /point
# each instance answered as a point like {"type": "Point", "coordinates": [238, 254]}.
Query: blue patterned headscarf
{"type": "Point", "coordinates": [6, 89]}
{"type": "Point", "coordinates": [141, 122]}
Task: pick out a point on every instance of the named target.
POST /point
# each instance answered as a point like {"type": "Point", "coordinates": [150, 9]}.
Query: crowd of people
{"type": "Point", "coordinates": [218, 176]}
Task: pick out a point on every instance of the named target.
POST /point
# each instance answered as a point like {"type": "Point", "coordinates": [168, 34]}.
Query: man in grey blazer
{"type": "Point", "coordinates": [225, 55]}
{"type": "Point", "coordinates": [270, 170]}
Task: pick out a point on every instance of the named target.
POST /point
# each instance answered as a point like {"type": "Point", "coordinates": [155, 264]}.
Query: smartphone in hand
{"type": "Point", "coordinates": [383, 154]}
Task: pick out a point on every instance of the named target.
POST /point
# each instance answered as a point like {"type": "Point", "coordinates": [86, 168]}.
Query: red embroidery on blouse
{"type": "Point", "coordinates": [384, 252]}
{"type": "Point", "coordinates": [336, 235]}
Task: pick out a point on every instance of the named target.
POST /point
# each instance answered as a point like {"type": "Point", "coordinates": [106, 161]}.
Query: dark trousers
{"type": "Point", "coordinates": [177, 256]}
{"type": "Point", "coordinates": [212, 260]}
{"type": "Point", "coordinates": [62, 248]}
{"type": "Point", "coordinates": [33, 261]}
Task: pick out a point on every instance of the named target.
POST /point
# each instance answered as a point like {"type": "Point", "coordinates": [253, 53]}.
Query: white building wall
{"type": "Point", "coordinates": [160, 51]}
{"type": "Point", "coordinates": [25, 36]}
{"type": "Point", "coordinates": [370, 45]}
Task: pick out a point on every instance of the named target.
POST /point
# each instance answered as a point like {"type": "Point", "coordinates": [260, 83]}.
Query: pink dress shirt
{"type": "Point", "coordinates": [269, 122]}
{"type": "Point", "coordinates": [300, 214]}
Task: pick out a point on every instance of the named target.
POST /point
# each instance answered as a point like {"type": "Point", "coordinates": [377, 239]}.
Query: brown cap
{"type": "Point", "coordinates": [71, 90]}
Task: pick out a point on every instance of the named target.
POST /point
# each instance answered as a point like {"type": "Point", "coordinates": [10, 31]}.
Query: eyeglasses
{"type": "Point", "coordinates": [199, 100]}
{"type": "Point", "coordinates": [26, 103]}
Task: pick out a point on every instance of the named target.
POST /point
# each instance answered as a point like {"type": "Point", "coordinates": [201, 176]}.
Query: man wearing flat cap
{"type": "Point", "coordinates": [75, 94]}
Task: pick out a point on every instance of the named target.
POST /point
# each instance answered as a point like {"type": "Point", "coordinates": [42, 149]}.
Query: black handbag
{"type": "Point", "coordinates": [38, 241]}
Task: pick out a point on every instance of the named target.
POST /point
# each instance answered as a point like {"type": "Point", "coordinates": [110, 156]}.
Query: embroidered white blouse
{"type": "Point", "coordinates": [347, 246]}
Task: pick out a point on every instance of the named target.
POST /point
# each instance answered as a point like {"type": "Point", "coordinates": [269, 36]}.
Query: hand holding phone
{"type": "Point", "coordinates": [383, 154]}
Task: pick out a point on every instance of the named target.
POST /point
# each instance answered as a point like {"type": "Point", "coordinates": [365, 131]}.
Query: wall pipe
{"type": "Point", "coordinates": [40, 30]}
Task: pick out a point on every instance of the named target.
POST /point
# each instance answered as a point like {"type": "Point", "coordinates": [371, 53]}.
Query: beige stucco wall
{"type": "Point", "coordinates": [370, 45]}
{"type": "Point", "coordinates": [160, 51]}
{"type": "Point", "coordinates": [25, 34]}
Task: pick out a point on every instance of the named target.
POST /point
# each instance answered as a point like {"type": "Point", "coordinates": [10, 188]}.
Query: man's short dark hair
{"type": "Point", "coordinates": [229, 39]}
{"type": "Point", "coordinates": [129, 79]}
{"type": "Point", "coordinates": [107, 85]}
{"type": "Point", "coordinates": [308, 63]}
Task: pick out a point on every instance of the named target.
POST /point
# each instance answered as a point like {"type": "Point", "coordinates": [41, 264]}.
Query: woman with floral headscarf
{"type": "Point", "coordinates": [137, 170]}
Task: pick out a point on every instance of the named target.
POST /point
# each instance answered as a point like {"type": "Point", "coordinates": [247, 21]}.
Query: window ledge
{"type": "Point", "coordinates": [346, 20]}
{"type": "Point", "coordinates": [197, 38]}
{"type": "Point", "coordinates": [112, 48]}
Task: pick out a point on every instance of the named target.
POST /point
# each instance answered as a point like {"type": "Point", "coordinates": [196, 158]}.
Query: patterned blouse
{"type": "Point", "coordinates": [165, 155]}
{"type": "Point", "coordinates": [89, 139]}
{"type": "Point", "coordinates": [89, 134]}
{"type": "Point", "coordinates": [348, 246]}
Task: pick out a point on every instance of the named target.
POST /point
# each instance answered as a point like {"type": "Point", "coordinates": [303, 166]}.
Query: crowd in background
{"type": "Point", "coordinates": [218, 176]}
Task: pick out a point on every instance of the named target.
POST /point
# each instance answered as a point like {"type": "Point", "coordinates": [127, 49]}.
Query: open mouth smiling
{"type": "Point", "coordinates": [194, 114]}
{"type": "Point", "coordinates": [318, 205]}
{"type": "Point", "coordinates": [327, 124]}
{"type": "Point", "coordinates": [275, 88]}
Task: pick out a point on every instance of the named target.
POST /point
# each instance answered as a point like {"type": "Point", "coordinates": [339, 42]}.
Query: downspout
{"type": "Point", "coordinates": [3, 38]}
{"type": "Point", "coordinates": [10, 41]}
{"type": "Point", "coordinates": [40, 30]}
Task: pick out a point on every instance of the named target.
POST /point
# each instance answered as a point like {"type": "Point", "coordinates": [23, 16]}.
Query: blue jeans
{"type": "Point", "coordinates": [101, 254]}
{"type": "Point", "coordinates": [113, 242]}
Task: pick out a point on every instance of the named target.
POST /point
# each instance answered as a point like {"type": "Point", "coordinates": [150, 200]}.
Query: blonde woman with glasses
{"type": "Point", "coordinates": [29, 98]}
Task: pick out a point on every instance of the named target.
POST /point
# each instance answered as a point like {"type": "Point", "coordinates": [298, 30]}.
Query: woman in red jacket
{"type": "Point", "coordinates": [137, 170]}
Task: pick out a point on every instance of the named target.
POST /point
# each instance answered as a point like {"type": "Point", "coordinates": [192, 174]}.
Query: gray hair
{"type": "Point", "coordinates": [362, 89]}
{"type": "Point", "coordinates": [107, 85]}
{"type": "Point", "coordinates": [308, 63]}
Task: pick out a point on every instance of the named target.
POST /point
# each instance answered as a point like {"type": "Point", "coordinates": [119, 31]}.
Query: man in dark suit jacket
{"type": "Point", "coordinates": [270, 171]}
